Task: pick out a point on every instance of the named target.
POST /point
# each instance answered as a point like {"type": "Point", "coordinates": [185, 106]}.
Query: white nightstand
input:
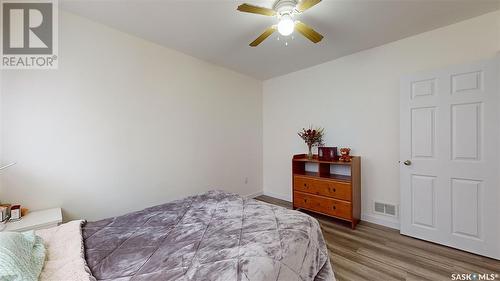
{"type": "Point", "coordinates": [36, 220]}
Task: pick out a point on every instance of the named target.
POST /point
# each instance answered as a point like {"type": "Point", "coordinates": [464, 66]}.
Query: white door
{"type": "Point", "coordinates": [450, 169]}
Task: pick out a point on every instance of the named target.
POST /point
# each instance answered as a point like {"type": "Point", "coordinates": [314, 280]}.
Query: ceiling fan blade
{"type": "Point", "coordinates": [308, 32]}
{"type": "Point", "coordinates": [263, 36]}
{"type": "Point", "coordinates": [247, 8]}
{"type": "Point", "coordinates": [306, 4]}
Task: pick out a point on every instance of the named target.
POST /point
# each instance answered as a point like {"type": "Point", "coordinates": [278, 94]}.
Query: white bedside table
{"type": "Point", "coordinates": [36, 220]}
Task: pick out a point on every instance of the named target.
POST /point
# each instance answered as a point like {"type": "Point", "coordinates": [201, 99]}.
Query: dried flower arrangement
{"type": "Point", "coordinates": [312, 137]}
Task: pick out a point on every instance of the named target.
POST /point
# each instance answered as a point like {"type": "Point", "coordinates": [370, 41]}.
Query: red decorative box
{"type": "Point", "coordinates": [327, 153]}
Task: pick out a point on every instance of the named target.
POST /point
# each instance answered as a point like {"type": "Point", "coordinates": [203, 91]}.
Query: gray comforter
{"type": "Point", "coordinates": [213, 236]}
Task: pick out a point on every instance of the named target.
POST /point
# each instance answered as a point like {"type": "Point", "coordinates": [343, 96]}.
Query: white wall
{"type": "Point", "coordinates": [356, 99]}
{"type": "Point", "coordinates": [124, 124]}
{"type": "Point", "coordinates": [1, 156]}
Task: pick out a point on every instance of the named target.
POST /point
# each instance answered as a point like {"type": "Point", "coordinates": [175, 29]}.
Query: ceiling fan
{"type": "Point", "coordinates": [284, 10]}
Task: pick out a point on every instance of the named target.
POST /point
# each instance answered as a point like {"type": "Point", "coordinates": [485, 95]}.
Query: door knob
{"type": "Point", "coordinates": [407, 162]}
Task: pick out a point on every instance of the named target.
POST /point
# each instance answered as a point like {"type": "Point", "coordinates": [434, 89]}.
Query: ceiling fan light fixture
{"type": "Point", "coordinates": [284, 10]}
{"type": "Point", "coordinates": [286, 25]}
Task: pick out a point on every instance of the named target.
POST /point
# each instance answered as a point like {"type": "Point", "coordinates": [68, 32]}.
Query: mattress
{"type": "Point", "coordinates": [212, 236]}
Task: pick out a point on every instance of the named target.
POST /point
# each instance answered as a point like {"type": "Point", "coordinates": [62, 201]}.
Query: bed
{"type": "Point", "coordinates": [212, 236]}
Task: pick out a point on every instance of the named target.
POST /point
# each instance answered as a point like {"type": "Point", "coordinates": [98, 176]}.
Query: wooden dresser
{"type": "Point", "coordinates": [325, 191]}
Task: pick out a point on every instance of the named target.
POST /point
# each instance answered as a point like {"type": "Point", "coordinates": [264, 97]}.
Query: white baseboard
{"type": "Point", "coordinates": [278, 196]}
{"type": "Point", "coordinates": [253, 195]}
{"type": "Point", "coordinates": [384, 221]}
{"type": "Point", "coordinates": [388, 222]}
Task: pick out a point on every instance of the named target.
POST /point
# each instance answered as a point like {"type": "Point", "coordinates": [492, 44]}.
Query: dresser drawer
{"type": "Point", "coordinates": [329, 188]}
{"type": "Point", "coordinates": [303, 184]}
{"type": "Point", "coordinates": [323, 205]}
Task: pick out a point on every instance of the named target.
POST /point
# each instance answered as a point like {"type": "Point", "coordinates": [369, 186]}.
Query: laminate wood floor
{"type": "Point", "coordinates": [373, 252]}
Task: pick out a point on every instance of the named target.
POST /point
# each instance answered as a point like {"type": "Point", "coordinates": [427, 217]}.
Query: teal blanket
{"type": "Point", "coordinates": [21, 256]}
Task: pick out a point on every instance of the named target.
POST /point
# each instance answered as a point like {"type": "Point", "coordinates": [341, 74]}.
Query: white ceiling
{"type": "Point", "coordinates": [214, 31]}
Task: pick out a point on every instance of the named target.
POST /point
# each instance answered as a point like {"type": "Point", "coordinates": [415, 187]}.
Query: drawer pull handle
{"type": "Point", "coordinates": [305, 200]}
{"type": "Point", "coordinates": [334, 190]}
{"type": "Point", "coordinates": [334, 207]}
{"type": "Point", "coordinates": [305, 184]}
